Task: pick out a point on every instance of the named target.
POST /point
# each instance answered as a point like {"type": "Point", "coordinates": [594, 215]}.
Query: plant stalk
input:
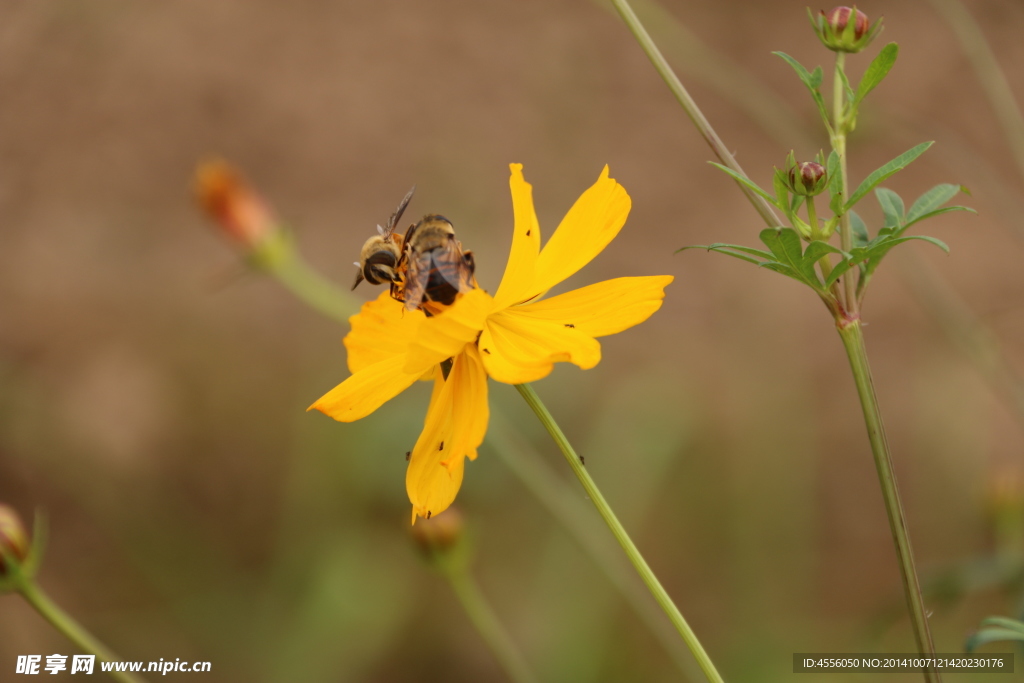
{"type": "Point", "coordinates": [485, 620]}
{"type": "Point", "coordinates": [850, 302]}
{"type": "Point", "coordinates": [853, 341]}
{"type": "Point", "coordinates": [690, 107]}
{"type": "Point", "coordinates": [70, 628]}
{"type": "Point", "coordinates": [605, 510]}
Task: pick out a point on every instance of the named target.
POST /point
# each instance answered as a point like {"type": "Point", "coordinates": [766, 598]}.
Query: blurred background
{"type": "Point", "coordinates": [152, 389]}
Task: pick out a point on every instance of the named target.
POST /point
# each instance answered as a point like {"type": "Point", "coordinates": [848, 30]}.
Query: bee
{"type": "Point", "coordinates": [380, 255]}
{"type": "Point", "coordinates": [435, 266]}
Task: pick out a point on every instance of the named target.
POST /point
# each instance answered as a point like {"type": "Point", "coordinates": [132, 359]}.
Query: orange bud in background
{"type": "Point", "coordinates": [439, 534]}
{"type": "Point", "coordinates": [13, 539]}
{"type": "Point", "coordinates": [232, 203]}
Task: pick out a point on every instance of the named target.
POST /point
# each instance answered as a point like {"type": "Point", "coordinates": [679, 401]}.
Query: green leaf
{"type": "Point", "coordinates": [859, 230]}
{"type": "Point", "coordinates": [1003, 622]}
{"type": "Point", "coordinates": [931, 200]}
{"type": "Point", "coordinates": [818, 248]}
{"type": "Point", "coordinates": [801, 72]}
{"type": "Point", "coordinates": [838, 271]}
{"type": "Point", "coordinates": [992, 635]}
{"type": "Point", "coordinates": [781, 192]}
{"type": "Point", "coordinates": [938, 212]}
{"type": "Point", "coordinates": [747, 182]}
{"type": "Point", "coordinates": [877, 70]}
{"type": "Point", "coordinates": [785, 244]}
{"type": "Point", "coordinates": [880, 174]}
{"type": "Point", "coordinates": [734, 250]}
{"type": "Point", "coordinates": [892, 207]}
{"type": "Point", "coordinates": [812, 81]}
{"type": "Point", "coordinates": [880, 248]}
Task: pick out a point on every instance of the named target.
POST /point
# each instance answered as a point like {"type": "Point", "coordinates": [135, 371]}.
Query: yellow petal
{"type": "Point", "coordinates": [516, 284]}
{"type": "Point", "coordinates": [454, 427]}
{"type": "Point", "coordinates": [366, 390]}
{"type": "Point", "coordinates": [604, 308]}
{"type": "Point", "coordinates": [592, 222]}
{"type": "Point", "coordinates": [519, 348]}
{"type": "Point", "coordinates": [382, 329]}
{"type": "Point", "coordinates": [443, 336]}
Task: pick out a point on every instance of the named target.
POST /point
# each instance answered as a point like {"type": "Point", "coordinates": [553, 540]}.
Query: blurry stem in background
{"type": "Point", "coordinates": [572, 515]}
{"type": "Point", "coordinates": [691, 109]}
{"type": "Point", "coordinates": [71, 629]}
{"type": "Point", "coordinates": [277, 256]}
{"type": "Point", "coordinates": [992, 78]}
{"type": "Point", "coordinates": [642, 568]}
{"type": "Point", "coordinates": [472, 599]}
{"type": "Point", "coordinates": [849, 330]}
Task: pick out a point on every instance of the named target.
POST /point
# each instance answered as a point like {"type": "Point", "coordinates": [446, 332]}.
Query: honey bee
{"type": "Point", "coordinates": [436, 269]}
{"type": "Point", "coordinates": [379, 257]}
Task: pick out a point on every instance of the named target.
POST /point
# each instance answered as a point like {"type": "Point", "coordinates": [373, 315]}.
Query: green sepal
{"type": "Point", "coordinates": [884, 171]}
{"type": "Point", "coordinates": [876, 71]}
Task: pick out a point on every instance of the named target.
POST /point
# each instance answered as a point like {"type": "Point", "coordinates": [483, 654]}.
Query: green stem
{"type": "Point", "coordinates": [485, 620]}
{"type": "Point", "coordinates": [839, 144]}
{"type": "Point", "coordinates": [605, 510]}
{"type": "Point", "coordinates": [571, 513]}
{"type": "Point", "coordinates": [825, 262]}
{"type": "Point", "coordinates": [278, 257]}
{"type": "Point", "coordinates": [853, 340]}
{"type": "Point", "coordinates": [71, 629]}
{"type": "Point", "coordinates": [690, 107]}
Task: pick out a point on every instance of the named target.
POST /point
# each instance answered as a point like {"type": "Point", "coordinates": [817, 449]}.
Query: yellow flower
{"type": "Point", "coordinates": [514, 337]}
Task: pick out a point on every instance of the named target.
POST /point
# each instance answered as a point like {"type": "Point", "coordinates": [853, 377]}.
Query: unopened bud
{"type": "Point", "coordinates": [807, 178]}
{"type": "Point", "coordinates": [844, 29]}
{"type": "Point", "coordinates": [232, 203]}
{"type": "Point", "coordinates": [14, 541]}
{"type": "Point", "coordinates": [439, 534]}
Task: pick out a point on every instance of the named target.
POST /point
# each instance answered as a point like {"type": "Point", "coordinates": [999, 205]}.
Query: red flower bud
{"type": "Point", "coordinates": [232, 203]}
{"type": "Point", "coordinates": [844, 29]}
{"type": "Point", "coordinates": [839, 18]}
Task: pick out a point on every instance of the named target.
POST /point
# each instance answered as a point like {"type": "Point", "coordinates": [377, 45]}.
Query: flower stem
{"type": "Point", "coordinates": [485, 620]}
{"type": "Point", "coordinates": [278, 257]}
{"type": "Point", "coordinates": [70, 628]}
{"type": "Point", "coordinates": [839, 145]}
{"type": "Point", "coordinates": [605, 510]}
{"type": "Point", "coordinates": [825, 262]}
{"type": "Point", "coordinates": [690, 107]}
{"type": "Point", "coordinates": [853, 340]}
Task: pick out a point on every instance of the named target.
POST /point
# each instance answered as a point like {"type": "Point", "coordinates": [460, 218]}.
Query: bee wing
{"type": "Point", "coordinates": [418, 269]}
{"type": "Point", "coordinates": [451, 264]}
{"type": "Point", "coordinates": [397, 215]}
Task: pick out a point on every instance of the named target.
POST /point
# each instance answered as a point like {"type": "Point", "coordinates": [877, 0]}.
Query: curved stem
{"type": "Point", "coordinates": [690, 107]}
{"type": "Point", "coordinates": [286, 265]}
{"type": "Point", "coordinates": [486, 621]}
{"type": "Point", "coordinates": [71, 629]}
{"type": "Point", "coordinates": [605, 510]}
{"type": "Point", "coordinates": [853, 340]}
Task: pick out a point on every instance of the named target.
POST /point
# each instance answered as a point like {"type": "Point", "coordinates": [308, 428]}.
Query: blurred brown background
{"type": "Point", "coordinates": [152, 392]}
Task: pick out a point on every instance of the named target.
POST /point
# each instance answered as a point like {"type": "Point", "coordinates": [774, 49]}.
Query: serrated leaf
{"type": "Point", "coordinates": [877, 71]}
{"type": "Point", "coordinates": [859, 229]}
{"type": "Point", "coordinates": [886, 170]}
{"type": "Point", "coordinates": [931, 200]}
{"type": "Point", "coordinates": [892, 207]}
{"type": "Point", "coordinates": [746, 182]}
